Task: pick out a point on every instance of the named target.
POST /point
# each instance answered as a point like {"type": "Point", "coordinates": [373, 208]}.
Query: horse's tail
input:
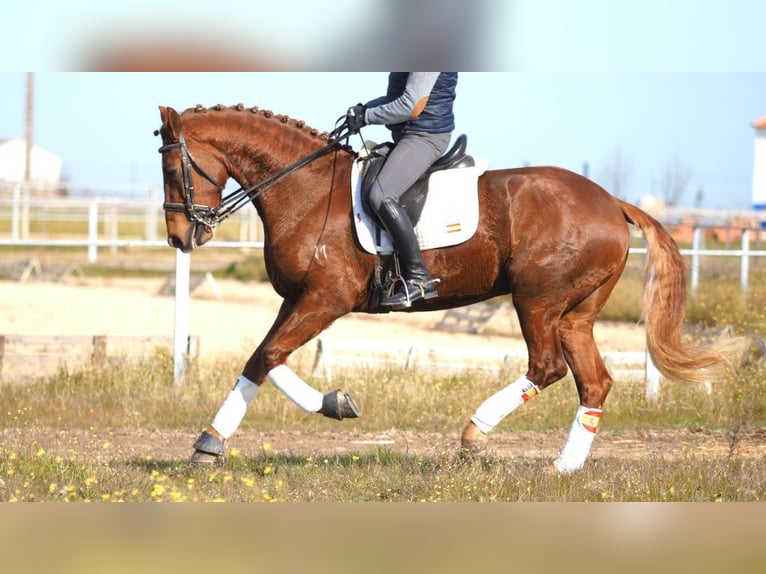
{"type": "Point", "coordinates": [665, 307]}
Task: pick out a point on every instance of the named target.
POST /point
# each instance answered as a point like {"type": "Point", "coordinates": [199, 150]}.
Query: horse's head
{"type": "Point", "coordinates": [193, 183]}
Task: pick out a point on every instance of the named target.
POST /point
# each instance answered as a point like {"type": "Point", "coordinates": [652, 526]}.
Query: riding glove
{"type": "Point", "coordinates": [355, 118]}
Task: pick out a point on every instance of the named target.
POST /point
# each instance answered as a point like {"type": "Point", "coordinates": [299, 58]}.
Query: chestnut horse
{"type": "Point", "coordinates": [554, 240]}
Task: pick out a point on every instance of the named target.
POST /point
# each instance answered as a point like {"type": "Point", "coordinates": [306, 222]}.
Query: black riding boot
{"type": "Point", "coordinates": [418, 283]}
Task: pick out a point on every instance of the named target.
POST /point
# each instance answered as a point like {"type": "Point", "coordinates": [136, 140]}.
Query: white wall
{"type": "Point", "coordinates": [45, 167]}
{"type": "Point", "coordinates": [759, 164]}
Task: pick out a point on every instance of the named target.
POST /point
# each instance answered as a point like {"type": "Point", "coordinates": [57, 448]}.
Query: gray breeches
{"type": "Point", "coordinates": [406, 162]}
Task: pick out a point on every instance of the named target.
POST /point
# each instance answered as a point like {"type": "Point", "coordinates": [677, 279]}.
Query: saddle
{"type": "Point", "coordinates": [413, 200]}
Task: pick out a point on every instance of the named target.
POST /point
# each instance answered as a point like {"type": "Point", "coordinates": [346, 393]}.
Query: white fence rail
{"type": "Point", "coordinates": [332, 353]}
{"type": "Point", "coordinates": [96, 223]}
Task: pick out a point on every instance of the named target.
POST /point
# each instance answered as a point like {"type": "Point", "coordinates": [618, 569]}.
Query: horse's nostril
{"type": "Point", "coordinates": [175, 242]}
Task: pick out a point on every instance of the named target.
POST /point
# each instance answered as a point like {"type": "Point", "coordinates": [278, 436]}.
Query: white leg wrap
{"type": "Point", "coordinates": [306, 397]}
{"type": "Point", "coordinates": [233, 410]}
{"type": "Point", "coordinates": [502, 403]}
{"type": "Point", "coordinates": [580, 439]}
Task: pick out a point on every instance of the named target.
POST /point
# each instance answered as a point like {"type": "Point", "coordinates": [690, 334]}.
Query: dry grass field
{"type": "Point", "coordinates": [122, 432]}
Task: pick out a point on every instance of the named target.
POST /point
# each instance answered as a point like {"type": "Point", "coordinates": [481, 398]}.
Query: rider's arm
{"type": "Point", "coordinates": [408, 106]}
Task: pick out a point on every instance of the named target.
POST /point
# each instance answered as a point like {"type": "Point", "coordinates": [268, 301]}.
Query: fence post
{"type": "Point", "coordinates": [25, 193]}
{"type": "Point", "coordinates": [16, 213]}
{"type": "Point", "coordinates": [744, 267]}
{"type": "Point", "coordinates": [151, 216]}
{"type": "Point", "coordinates": [652, 392]}
{"type": "Point", "coordinates": [181, 323]}
{"type": "Point", "coordinates": [92, 231]}
{"type": "Point", "coordinates": [696, 241]}
{"type": "Point", "coordinates": [98, 357]}
{"type": "Point", "coordinates": [114, 226]}
{"type": "Point", "coordinates": [2, 353]}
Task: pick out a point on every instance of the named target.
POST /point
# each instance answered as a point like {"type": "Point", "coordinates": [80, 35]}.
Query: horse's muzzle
{"type": "Point", "coordinates": [196, 236]}
{"type": "Point", "coordinates": [178, 243]}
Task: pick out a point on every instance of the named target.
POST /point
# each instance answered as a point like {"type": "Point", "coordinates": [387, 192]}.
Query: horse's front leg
{"type": "Point", "coordinates": [296, 324]}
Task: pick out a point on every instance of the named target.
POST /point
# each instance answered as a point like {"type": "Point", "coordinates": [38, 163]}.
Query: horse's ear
{"type": "Point", "coordinates": [171, 121]}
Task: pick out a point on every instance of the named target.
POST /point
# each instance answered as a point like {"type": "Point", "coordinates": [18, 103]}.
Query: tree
{"type": "Point", "coordinates": [674, 178]}
{"type": "Point", "coordinates": [699, 198]}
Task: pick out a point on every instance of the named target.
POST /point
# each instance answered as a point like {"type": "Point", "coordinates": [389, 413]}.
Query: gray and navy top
{"type": "Point", "coordinates": [416, 102]}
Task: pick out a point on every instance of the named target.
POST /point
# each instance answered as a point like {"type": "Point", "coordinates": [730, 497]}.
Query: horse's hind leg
{"type": "Point", "coordinates": [593, 384]}
{"type": "Point", "coordinates": [590, 374]}
{"type": "Point", "coordinates": [539, 324]}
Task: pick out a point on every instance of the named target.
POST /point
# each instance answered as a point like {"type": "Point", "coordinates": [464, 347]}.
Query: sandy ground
{"type": "Point", "coordinates": [124, 445]}
{"type": "Point", "coordinates": [232, 317]}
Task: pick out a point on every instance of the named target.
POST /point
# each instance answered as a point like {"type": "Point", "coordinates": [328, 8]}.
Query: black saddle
{"type": "Point", "coordinates": [414, 198]}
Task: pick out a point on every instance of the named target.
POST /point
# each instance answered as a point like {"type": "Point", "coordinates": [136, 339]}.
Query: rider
{"type": "Point", "coordinates": [418, 110]}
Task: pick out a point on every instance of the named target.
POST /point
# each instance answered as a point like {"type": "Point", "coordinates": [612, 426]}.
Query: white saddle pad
{"type": "Point", "coordinates": [450, 215]}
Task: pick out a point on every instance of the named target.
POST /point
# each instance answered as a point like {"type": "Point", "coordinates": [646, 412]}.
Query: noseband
{"type": "Point", "coordinates": [214, 216]}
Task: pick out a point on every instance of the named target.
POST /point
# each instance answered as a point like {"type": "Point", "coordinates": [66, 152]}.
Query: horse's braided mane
{"type": "Point", "coordinates": [298, 124]}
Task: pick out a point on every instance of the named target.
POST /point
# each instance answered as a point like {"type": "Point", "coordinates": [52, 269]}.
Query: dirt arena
{"type": "Point", "coordinates": [230, 316]}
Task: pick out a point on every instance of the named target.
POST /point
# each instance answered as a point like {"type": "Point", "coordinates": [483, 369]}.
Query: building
{"type": "Point", "coordinates": [759, 164]}
{"type": "Point", "coordinates": [45, 168]}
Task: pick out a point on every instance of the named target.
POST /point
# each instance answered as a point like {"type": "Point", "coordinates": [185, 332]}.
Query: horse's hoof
{"type": "Point", "coordinates": [208, 450]}
{"type": "Point", "coordinates": [473, 442]}
{"type": "Point", "coordinates": [339, 405]}
{"type": "Point", "coordinates": [201, 457]}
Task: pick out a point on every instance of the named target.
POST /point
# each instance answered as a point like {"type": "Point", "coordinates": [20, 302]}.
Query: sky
{"type": "Point", "coordinates": [481, 35]}
{"type": "Point", "coordinates": [101, 124]}
{"type": "Point", "coordinates": [588, 85]}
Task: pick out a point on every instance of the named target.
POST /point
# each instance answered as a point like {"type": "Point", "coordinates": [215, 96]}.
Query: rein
{"type": "Point", "coordinates": [231, 203]}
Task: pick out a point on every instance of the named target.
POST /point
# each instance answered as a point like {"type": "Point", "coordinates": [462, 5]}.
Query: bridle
{"type": "Point", "coordinates": [213, 216]}
{"type": "Point", "coordinates": [197, 213]}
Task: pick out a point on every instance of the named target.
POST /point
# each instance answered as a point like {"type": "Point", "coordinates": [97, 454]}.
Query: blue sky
{"type": "Point", "coordinates": [101, 124]}
{"type": "Point", "coordinates": [639, 35]}
{"type": "Point", "coordinates": [651, 82]}
{"type": "Point", "coordinates": [511, 35]}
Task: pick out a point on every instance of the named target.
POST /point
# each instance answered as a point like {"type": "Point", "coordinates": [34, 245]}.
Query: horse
{"type": "Point", "coordinates": [554, 240]}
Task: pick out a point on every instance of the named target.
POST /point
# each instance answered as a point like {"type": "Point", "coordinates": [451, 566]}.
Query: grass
{"type": "Point", "coordinates": [29, 473]}
{"type": "Point", "coordinates": [717, 302]}
{"type": "Point", "coordinates": [32, 474]}
{"type": "Point", "coordinates": [141, 395]}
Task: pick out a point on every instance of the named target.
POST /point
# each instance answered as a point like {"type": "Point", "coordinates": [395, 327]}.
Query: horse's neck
{"type": "Point", "coordinates": [299, 192]}
{"type": "Point", "coordinates": [256, 146]}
